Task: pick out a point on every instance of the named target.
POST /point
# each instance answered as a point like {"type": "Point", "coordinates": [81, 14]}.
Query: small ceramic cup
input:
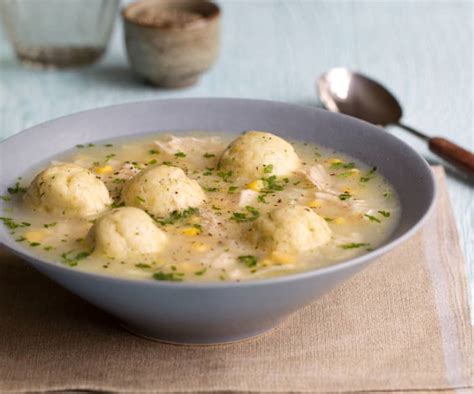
{"type": "Point", "coordinates": [171, 42]}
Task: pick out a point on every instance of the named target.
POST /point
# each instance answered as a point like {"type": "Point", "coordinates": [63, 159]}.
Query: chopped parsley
{"type": "Point", "coordinates": [249, 261]}
{"type": "Point", "coordinates": [180, 154]}
{"type": "Point", "coordinates": [16, 189]}
{"type": "Point", "coordinates": [249, 216]}
{"type": "Point", "coordinates": [267, 168]}
{"type": "Point", "coordinates": [372, 218]}
{"type": "Point", "coordinates": [272, 184]}
{"type": "Point", "coordinates": [344, 196]}
{"type": "Point", "coordinates": [210, 189]}
{"type": "Point", "coordinates": [151, 162]}
{"type": "Point", "coordinates": [48, 225]}
{"type": "Point", "coordinates": [11, 224]}
{"type": "Point", "coordinates": [385, 214]}
{"type": "Point", "coordinates": [5, 198]}
{"type": "Point", "coordinates": [368, 176]}
{"type": "Point", "coordinates": [108, 157]}
{"type": "Point", "coordinates": [209, 155]}
{"type": "Point", "coordinates": [225, 175]}
{"type": "Point", "coordinates": [341, 164]}
{"type": "Point", "coordinates": [108, 145]}
{"type": "Point", "coordinates": [353, 245]}
{"type": "Point", "coordinates": [201, 272]}
{"type": "Point", "coordinates": [34, 244]}
{"type": "Point", "coordinates": [261, 198]}
{"type": "Point", "coordinates": [178, 215]}
{"type": "Point", "coordinates": [153, 152]}
{"type": "Point", "coordinates": [142, 265]}
{"type": "Point", "coordinates": [48, 248]}
{"type": "Point", "coordinates": [72, 260]}
{"type": "Point", "coordinates": [232, 189]}
{"type": "Point", "coordinates": [169, 276]}
{"type": "Point", "coordinates": [328, 219]}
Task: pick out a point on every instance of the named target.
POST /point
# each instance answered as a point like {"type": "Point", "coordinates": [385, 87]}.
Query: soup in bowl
{"type": "Point", "coordinates": [196, 236]}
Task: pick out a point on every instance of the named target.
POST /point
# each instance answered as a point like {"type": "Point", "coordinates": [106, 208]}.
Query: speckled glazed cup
{"type": "Point", "coordinates": [171, 55]}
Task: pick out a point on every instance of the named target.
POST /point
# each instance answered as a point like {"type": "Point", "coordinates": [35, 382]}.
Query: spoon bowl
{"type": "Point", "coordinates": [356, 95]}
{"type": "Point", "coordinates": [342, 90]}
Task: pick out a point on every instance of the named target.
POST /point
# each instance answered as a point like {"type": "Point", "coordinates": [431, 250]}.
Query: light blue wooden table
{"type": "Point", "coordinates": [275, 50]}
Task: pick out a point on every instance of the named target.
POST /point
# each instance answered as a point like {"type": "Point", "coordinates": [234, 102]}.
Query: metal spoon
{"type": "Point", "coordinates": [350, 93]}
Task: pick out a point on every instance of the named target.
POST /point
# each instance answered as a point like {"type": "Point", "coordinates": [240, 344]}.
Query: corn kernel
{"type": "Point", "coordinates": [104, 169]}
{"type": "Point", "coordinates": [190, 231]}
{"type": "Point", "coordinates": [256, 185]}
{"type": "Point", "coordinates": [339, 220]}
{"type": "Point", "coordinates": [282, 258]}
{"type": "Point", "coordinates": [35, 236]}
{"type": "Point", "coordinates": [315, 204]}
{"type": "Point", "coordinates": [200, 247]}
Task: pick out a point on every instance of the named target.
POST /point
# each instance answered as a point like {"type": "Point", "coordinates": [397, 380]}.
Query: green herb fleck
{"type": "Point", "coordinates": [271, 184]}
{"type": "Point", "coordinates": [163, 276]}
{"type": "Point", "coordinates": [344, 196]}
{"type": "Point", "coordinates": [249, 216]}
{"type": "Point", "coordinates": [48, 225]}
{"type": "Point", "coordinates": [5, 198]}
{"type": "Point", "coordinates": [48, 248]}
{"type": "Point", "coordinates": [108, 145]}
{"type": "Point", "coordinates": [180, 154]}
{"type": "Point", "coordinates": [11, 224]}
{"type": "Point", "coordinates": [72, 261]}
{"type": "Point", "coordinates": [225, 175]}
{"type": "Point", "coordinates": [210, 189]}
{"type": "Point", "coordinates": [209, 155]}
{"type": "Point", "coordinates": [178, 215]}
{"type": "Point", "coordinates": [328, 219]}
{"type": "Point", "coordinates": [151, 162]}
{"type": "Point", "coordinates": [372, 218]}
{"type": "Point", "coordinates": [368, 176]}
{"type": "Point", "coordinates": [153, 152]}
{"type": "Point", "coordinates": [232, 189]}
{"type": "Point", "coordinates": [249, 261]}
{"type": "Point", "coordinates": [201, 272]}
{"type": "Point", "coordinates": [267, 168]}
{"type": "Point", "coordinates": [16, 189]}
{"type": "Point", "coordinates": [385, 214]}
{"type": "Point", "coordinates": [142, 265]}
{"type": "Point", "coordinates": [141, 199]}
{"type": "Point", "coordinates": [353, 245]}
{"type": "Point", "coordinates": [34, 244]}
{"type": "Point", "coordinates": [341, 164]}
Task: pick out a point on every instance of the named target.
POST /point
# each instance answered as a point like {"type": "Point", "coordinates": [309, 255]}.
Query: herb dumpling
{"type": "Point", "coordinates": [257, 152]}
{"type": "Point", "coordinates": [67, 190]}
{"type": "Point", "coordinates": [162, 189]}
{"type": "Point", "coordinates": [126, 232]}
{"type": "Point", "coordinates": [290, 229]}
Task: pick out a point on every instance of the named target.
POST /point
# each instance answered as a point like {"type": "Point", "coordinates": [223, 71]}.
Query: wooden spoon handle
{"type": "Point", "coordinates": [456, 155]}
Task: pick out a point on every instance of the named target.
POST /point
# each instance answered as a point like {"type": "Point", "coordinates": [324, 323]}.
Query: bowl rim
{"type": "Point", "coordinates": [342, 265]}
{"type": "Point", "coordinates": [216, 12]}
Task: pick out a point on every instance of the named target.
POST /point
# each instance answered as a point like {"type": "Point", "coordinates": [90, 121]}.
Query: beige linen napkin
{"type": "Point", "coordinates": [400, 325]}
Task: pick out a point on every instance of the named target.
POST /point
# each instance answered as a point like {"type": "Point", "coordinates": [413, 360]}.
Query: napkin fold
{"type": "Point", "coordinates": [402, 324]}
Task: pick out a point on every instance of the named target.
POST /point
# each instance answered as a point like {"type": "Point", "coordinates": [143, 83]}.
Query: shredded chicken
{"type": "Point", "coordinates": [173, 144]}
{"type": "Point", "coordinates": [319, 177]}
{"type": "Point", "coordinates": [247, 197]}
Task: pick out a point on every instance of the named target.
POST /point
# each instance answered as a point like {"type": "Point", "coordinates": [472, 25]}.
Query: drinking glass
{"type": "Point", "coordinates": [58, 33]}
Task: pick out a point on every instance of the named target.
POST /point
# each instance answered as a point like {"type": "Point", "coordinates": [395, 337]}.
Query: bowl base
{"type": "Point", "coordinates": [174, 83]}
{"type": "Point", "coordinates": [190, 341]}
